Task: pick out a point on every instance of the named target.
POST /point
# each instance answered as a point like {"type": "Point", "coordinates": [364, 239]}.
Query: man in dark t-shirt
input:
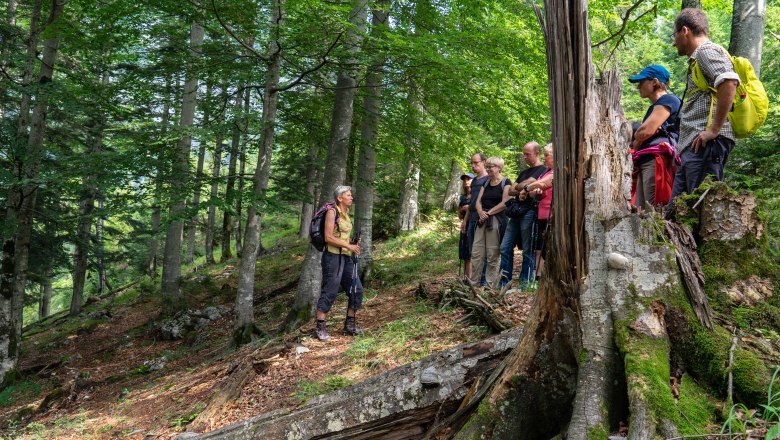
{"type": "Point", "coordinates": [520, 230]}
{"type": "Point", "coordinates": [472, 216]}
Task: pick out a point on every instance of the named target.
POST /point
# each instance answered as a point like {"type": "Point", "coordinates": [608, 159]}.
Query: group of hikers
{"type": "Point", "coordinates": [678, 143]}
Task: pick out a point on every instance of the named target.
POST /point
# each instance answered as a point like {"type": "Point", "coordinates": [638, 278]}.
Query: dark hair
{"type": "Point", "coordinates": [482, 157]}
{"type": "Point", "coordinates": [695, 20]}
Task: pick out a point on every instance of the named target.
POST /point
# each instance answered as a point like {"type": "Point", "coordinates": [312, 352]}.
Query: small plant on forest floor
{"type": "Point", "coordinates": [308, 389]}
{"type": "Point", "coordinates": [188, 417]}
{"type": "Point", "coordinates": [741, 418]}
{"type": "Point", "coordinates": [19, 391]}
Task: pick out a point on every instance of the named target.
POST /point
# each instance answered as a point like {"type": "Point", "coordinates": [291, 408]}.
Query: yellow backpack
{"type": "Point", "coordinates": [751, 103]}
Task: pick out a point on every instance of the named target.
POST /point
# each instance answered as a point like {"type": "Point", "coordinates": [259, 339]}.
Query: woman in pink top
{"type": "Point", "coordinates": [543, 187]}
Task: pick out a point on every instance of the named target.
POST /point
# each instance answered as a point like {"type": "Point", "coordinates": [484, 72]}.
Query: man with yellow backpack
{"type": "Point", "coordinates": [711, 119]}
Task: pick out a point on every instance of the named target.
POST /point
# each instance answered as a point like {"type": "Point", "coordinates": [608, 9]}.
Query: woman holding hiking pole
{"type": "Point", "coordinates": [338, 268]}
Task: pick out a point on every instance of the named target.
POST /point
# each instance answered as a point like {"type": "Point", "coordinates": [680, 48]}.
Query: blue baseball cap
{"type": "Point", "coordinates": [467, 176]}
{"type": "Point", "coordinates": [652, 71]}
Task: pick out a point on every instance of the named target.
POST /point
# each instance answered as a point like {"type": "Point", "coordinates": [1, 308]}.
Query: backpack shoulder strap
{"type": "Point", "coordinates": [698, 78]}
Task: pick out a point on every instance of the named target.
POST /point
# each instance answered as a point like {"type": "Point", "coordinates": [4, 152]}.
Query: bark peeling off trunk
{"type": "Point", "coordinates": [392, 405]}
{"type": "Point", "coordinates": [726, 216]}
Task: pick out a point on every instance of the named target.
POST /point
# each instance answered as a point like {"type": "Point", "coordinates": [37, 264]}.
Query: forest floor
{"type": "Point", "coordinates": [96, 377]}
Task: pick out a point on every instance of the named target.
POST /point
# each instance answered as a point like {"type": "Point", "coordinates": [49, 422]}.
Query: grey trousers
{"type": "Point", "coordinates": [645, 184]}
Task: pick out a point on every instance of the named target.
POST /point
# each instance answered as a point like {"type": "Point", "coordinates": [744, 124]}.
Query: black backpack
{"type": "Point", "coordinates": [317, 226]}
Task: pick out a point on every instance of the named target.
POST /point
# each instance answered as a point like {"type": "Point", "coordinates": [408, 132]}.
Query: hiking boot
{"type": "Point", "coordinates": [322, 332]}
{"type": "Point", "coordinates": [351, 328]}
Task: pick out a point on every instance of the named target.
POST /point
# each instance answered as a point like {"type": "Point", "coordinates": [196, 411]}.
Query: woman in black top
{"type": "Point", "coordinates": [492, 221]}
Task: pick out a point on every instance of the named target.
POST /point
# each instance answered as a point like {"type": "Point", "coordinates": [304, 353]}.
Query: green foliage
{"type": "Point", "coordinates": [187, 417]}
{"type": "Point", "coordinates": [305, 389]}
{"type": "Point", "coordinates": [20, 391]}
{"type": "Point", "coordinates": [431, 250]}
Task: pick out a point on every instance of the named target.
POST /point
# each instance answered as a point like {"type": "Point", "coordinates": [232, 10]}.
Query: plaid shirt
{"type": "Point", "coordinates": [717, 67]}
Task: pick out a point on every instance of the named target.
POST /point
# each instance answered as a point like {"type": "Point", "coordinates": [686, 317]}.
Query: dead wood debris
{"type": "Point", "coordinates": [489, 306]}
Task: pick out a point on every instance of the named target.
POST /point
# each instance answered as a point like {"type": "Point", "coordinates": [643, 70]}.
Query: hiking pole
{"type": "Point", "coordinates": [353, 286]}
{"type": "Point", "coordinates": [532, 267]}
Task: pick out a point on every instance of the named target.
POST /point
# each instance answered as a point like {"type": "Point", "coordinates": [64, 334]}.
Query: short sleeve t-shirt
{"type": "Point", "coordinates": [493, 195]}
{"type": "Point", "coordinates": [535, 172]}
{"type": "Point", "coordinates": [671, 102]}
{"type": "Point", "coordinates": [476, 185]}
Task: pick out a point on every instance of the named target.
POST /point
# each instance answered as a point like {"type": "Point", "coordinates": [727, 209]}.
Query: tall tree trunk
{"type": "Point", "coordinates": [691, 4]}
{"type": "Point", "coordinates": [230, 195]}
{"type": "Point", "coordinates": [86, 208]}
{"type": "Point", "coordinates": [156, 208]}
{"type": "Point", "coordinates": [20, 208]}
{"type": "Point", "coordinates": [747, 31]}
{"type": "Point", "coordinates": [409, 207]}
{"type": "Point", "coordinates": [244, 325]}
{"type": "Point", "coordinates": [100, 254]}
{"type": "Point", "coordinates": [335, 164]}
{"type": "Point", "coordinates": [307, 208]}
{"type": "Point", "coordinates": [81, 253]}
{"type": "Point", "coordinates": [242, 169]}
{"type": "Point", "coordinates": [180, 171]}
{"type": "Point", "coordinates": [452, 195]}
{"type": "Point", "coordinates": [216, 162]}
{"type": "Point", "coordinates": [364, 197]}
{"type": "Point", "coordinates": [213, 193]}
{"type": "Point", "coordinates": [44, 306]}
{"type": "Point", "coordinates": [192, 223]}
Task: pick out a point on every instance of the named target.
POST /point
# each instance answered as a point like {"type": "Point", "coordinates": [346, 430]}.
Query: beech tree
{"type": "Point", "coordinates": [171, 290]}
{"type": "Point", "coordinates": [244, 325]}
{"type": "Point", "coordinates": [364, 190]}
{"type": "Point", "coordinates": [20, 206]}
{"type": "Point", "coordinates": [747, 31]}
{"type": "Point", "coordinates": [334, 171]}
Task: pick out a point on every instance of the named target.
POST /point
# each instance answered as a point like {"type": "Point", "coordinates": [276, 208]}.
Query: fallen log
{"type": "Point", "coordinates": [396, 405]}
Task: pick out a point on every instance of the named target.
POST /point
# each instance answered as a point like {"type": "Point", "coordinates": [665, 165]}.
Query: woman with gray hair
{"type": "Point", "coordinates": [338, 268]}
{"type": "Point", "coordinates": [492, 223]}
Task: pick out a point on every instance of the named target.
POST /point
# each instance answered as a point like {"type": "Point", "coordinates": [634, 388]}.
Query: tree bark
{"type": "Point", "coordinates": [159, 178]}
{"type": "Point", "coordinates": [192, 223]}
{"type": "Point", "coordinates": [180, 170]}
{"type": "Point", "coordinates": [20, 208]}
{"type": "Point", "coordinates": [691, 4]}
{"type": "Point", "coordinates": [307, 207]}
{"type": "Point", "coordinates": [44, 306]}
{"type": "Point", "coordinates": [230, 195]}
{"type": "Point", "coordinates": [364, 197]}
{"type": "Point", "coordinates": [335, 164]}
{"type": "Point", "coordinates": [241, 170]}
{"type": "Point", "coordinates": [747, 31]}
{"type": "Point", "coordinates": [86, 209]}
{"type": "Point", "coordinates": [244, 325]}
{"type": "Point", "coordinates": [102, 283]}
{"type": "Point", "coordinates": [216, 162]}
{"type": "Point", "coordinates": [452, 195]}
{"type": "Point", "coordinates": [409, 208]}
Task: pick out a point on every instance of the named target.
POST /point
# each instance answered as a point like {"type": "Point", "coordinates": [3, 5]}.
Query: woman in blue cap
{"type": "Point", "coordinates": [655, 158]}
